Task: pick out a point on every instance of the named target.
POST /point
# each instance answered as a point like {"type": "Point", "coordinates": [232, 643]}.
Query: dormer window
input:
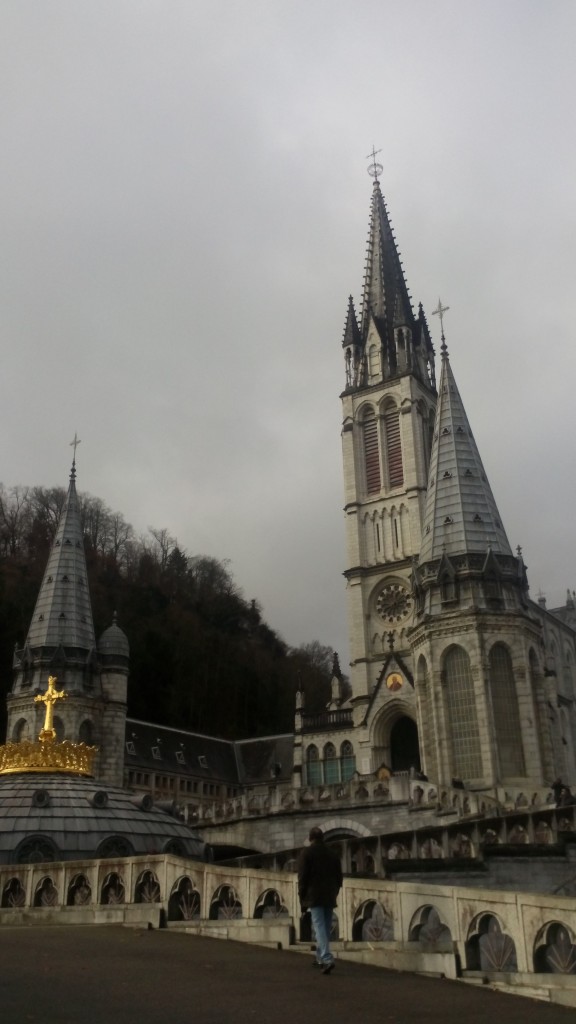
{"type": "Point", "coordinates": [130, 748]}
{"type": "Point", "coordinates": [202, 761]}
{"type": "Point", "coordinates": [180, 757]}
{"type": "Point", "coordinates": [156, 753]}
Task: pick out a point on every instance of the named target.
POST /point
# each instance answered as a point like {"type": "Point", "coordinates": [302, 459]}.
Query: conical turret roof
{"type": "Point", "coordinates": [63, 613]}
{"type": "Point", "coordinates": [461, 514]}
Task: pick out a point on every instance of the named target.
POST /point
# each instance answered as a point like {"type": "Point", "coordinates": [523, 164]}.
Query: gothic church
{"type": "Point", "coordinates": [462, 687]}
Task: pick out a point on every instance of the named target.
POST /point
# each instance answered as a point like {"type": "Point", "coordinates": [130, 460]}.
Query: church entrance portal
{"type": "Point", "coordinates": [404, 751]}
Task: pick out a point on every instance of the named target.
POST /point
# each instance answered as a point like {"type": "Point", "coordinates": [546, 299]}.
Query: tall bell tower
{"type": "Point", "coordinates": [388, 407]}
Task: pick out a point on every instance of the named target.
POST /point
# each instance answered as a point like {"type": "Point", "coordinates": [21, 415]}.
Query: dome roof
{"type": "Point", "coordinates": [46, 817]}
{"type": "Point", "coordinates": [114, 643]}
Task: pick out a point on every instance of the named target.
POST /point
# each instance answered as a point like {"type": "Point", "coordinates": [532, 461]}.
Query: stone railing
{"type": "Point", "coordinates": [363, 791]}
{"type": "Point", "coordinates": [514, 937]}
{"type": "Point", "coordinates": [326, 721]}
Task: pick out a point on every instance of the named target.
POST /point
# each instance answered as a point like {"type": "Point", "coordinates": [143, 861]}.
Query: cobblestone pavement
{"type": "Point", "coordinates": [104, 975]}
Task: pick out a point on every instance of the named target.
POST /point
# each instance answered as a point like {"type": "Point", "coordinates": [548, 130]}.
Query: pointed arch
{"type": "Point", "coordinates": [313, 766]}
{"type": "Point", "coordinates": [371, 451]}
{"type": "Point", "coordinates": [505, 712]}
{"type": "Point", "coordinates": [462, 715]}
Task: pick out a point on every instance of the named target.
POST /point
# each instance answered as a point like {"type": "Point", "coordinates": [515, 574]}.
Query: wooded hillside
{"type": "Point", "coordinates": [202, 656]}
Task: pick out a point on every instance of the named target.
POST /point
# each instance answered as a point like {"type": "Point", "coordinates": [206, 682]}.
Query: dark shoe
{"type": "Point", "coordinates": [328, 968]}
{"type": "Point", "coordinates": [316, 963]}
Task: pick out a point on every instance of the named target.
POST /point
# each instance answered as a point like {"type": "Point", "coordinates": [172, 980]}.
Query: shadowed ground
{"type": "Point", "coordinates": [107, 975]}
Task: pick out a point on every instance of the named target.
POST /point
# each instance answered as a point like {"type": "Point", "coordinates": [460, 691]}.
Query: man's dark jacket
{"type": "Point", "coordinates": [319, 876]}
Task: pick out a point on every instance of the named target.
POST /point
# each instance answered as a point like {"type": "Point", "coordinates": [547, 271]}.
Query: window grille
{"type": "Point", "coordinates": [394, 448]}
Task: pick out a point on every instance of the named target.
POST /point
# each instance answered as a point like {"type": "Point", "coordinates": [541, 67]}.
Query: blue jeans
{"type": "Point", "coordinates": [322, 925]}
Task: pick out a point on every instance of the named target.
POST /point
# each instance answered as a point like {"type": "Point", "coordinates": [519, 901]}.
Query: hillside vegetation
{"type": "Point", "coordinates": [202, 656]}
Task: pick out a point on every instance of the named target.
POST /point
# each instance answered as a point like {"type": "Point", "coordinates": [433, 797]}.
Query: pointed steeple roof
{"type": "Point", "coordinates": [385, 295]}
{"type": "Point", "coordinates": [63, 613]}
{"type": "Point", "coordinates": [387, 322]}
{"type": "Point", "coordinates": [352, 337]}
{"type": "Point", "coordinates": [461, 514]}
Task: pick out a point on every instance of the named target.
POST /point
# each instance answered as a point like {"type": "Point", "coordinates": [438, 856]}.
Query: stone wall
{"type": "Point", "coordinates": [436, 929]}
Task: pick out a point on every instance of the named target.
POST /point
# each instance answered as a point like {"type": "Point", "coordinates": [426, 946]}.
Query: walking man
{"type": "Point", "coordinates": [319, 882]}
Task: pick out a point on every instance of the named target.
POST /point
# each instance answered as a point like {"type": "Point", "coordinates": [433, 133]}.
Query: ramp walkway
{"type": "Point", "coordinates": [90, 975]}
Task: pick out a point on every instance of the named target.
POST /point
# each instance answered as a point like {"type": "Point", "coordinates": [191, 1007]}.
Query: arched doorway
{"type": "Point", "coordinates": [404, 749]}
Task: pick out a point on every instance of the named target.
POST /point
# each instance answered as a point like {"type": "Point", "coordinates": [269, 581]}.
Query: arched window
{"type": "Point", "coordinates": [371, 452]}
{"type": "Point", "coordinates": [347, 761]}
{"type": "Point", "coordinates": [331, 765]}
{"type": "Point", "coordinates": [313, 766]}
{"type": "Point", "coordinates": [463, 722]}
{"type": "Point", "coordinates": [21, 731]}
{"type": "Point", "coordinates": [86, 732]}
{"type": "Point", "coordinates": [505, 711]}
{"type": "Point", "coordinates": [394, 466]}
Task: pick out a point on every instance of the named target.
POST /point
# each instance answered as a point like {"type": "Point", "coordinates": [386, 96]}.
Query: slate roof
{"type": "Point", "coordinates": [64, 810]}
{"type": "Point", "coordinates": [461, 515]}
{"type": "Point", "coordinates": [266, 759]}
{"type": "Point", "coordinates": [63, 612]}
{"type": "Point", "coordinates": [160, 748]}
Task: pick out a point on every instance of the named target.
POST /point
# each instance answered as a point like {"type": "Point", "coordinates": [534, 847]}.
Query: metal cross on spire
{"type": "Point", "coordinates": [374, 169]}
{"type": "Point", "coordinates": [439, 311]}
{"type": "Point", "coordinates": [74, 444]}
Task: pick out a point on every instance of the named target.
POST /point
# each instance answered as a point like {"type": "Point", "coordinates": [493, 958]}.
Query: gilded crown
{"type": "Point", "coordinates": [45, 754]}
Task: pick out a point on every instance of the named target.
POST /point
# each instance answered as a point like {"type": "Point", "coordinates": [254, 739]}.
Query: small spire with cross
{"type": "Point", "coordinates": [439, 311]}
{"type": "Point", "coordinates": [374, 169]}
{"type": "Point", "coordinates": [74, 444]}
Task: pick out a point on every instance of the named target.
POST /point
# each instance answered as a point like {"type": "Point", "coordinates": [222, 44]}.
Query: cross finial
{"type": "Point", "coordinates": [74, 444]}
{"type": "Point", "coordinates": [439, 311]}
{"type": "Point", "coordinates": [374, 169]}
{"type": "Point", "coordinates": [48, 733]}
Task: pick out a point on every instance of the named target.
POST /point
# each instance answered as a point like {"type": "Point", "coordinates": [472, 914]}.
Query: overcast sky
{"type": "Point", "coordinates": [184, 209]}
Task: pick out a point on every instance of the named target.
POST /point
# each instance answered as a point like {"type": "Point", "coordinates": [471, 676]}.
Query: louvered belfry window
{"type": "Point", "coordinates": [394, 448]}
{"type": "Point", "coordinates": [371, 453]}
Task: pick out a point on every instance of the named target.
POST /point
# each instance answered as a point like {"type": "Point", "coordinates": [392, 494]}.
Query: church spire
{"type": "Point", "coordinates": [461, 516]}
{"type": "Point", "coordinates": [392, 341]}
{"type": "Point", "coordinates": [63, 614]}
{"type": "Point", "coordinates": [385, 294]}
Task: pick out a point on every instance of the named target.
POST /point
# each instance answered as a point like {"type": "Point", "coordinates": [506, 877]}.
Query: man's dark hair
{"type": "Point", "coordinates": [316, 835]}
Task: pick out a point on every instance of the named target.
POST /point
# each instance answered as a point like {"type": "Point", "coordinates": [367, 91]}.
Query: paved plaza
{"type": "Point", "coordinates": [104, 975]}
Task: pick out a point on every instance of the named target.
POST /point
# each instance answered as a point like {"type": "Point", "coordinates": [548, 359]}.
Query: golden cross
{"type": "Point", "coordinates": [49, 699]}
